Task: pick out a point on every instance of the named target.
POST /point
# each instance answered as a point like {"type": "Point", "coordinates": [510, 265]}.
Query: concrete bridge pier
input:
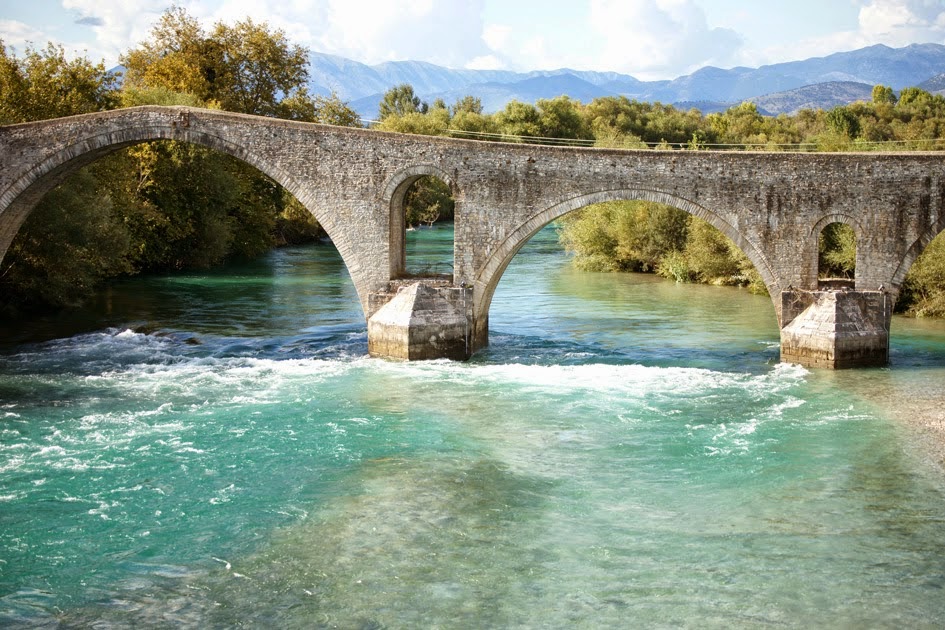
{"type": "Point", "coordinates": [421, 319]}
{"type": "Point", "coordinates": [835, 328]}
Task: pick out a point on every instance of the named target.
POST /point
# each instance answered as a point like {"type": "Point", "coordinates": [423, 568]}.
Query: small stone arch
{"type": "Point", "coordinates": [813, 244]}
{"type": "Point", "coordinates": [392, 198]}
{"type": "Point", "coordinates": [488, 278]}
{"type": "Point", "coordinates": [19, 199]}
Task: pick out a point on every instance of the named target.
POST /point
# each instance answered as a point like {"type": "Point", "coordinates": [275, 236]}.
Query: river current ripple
{"type": "Point", "coordinates": [216, 450]}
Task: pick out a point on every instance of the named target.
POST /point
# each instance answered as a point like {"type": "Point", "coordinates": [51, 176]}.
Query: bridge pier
{"type": "Point", "coordinates": [421, 320]}
{"type": "Point", "coordinates": [835, 328]}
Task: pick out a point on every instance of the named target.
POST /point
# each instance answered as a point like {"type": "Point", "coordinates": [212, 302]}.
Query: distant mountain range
{"type": "Point", "coordinates": [823, 82]}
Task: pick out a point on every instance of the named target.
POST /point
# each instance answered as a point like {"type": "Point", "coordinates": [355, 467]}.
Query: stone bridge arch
{"type": "Point", "coordinates": [913, 252]}
{"type": "Point", "coordinates": [813, 243]}
{"type": "Point", "coordinates": [19, 199]}
{"type": "Point", "coordinates": [393, 198]}
{"type": "Point", "coordinates": [491, 273]}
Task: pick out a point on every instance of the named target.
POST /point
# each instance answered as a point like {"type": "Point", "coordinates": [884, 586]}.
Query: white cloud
{"type": "Point", "coordinates": [659, 38]}
{"type": "Point", "coordinates": [447, 32]}
{"type": "Point", "coordinates": [647, 38]}
{"type": "Point", "coordinates": [19, 35]}
{"type": "Point", "coordinates": [497, 36]}
{"type": "Point", "coordinates": [117, 26]}
{"type": "Point", "coordinates": [902, 22]}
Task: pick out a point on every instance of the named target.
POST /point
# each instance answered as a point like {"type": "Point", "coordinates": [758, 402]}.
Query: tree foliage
{"type": "Point", "coordinates": [923, 293]}
{"type": "Point", "coordinates": [246, 67]}
{"type": "Point", "coordinates": [44, 84]}
{"type": "Point", "coordinates": [428, 200]}
{"type": "Point", "coordinates": [401, 101]}
{"type": "Point", "coordinates": [162, 205]}
{"type": "Point", "coordinates": [837, 251]}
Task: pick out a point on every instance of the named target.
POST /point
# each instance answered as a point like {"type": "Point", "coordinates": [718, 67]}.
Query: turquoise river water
{"type": "Point", "coordinates": [216, 450]}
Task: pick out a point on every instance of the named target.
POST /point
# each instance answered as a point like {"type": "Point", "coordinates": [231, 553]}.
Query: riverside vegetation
{"type": "Point", "coordinates": [165, 205]}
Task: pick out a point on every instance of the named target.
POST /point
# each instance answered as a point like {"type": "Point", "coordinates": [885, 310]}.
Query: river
{"type": "Point", "coordinates": [216, 450]}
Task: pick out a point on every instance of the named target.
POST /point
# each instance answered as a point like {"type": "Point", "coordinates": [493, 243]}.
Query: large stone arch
{"type": "Point", "coordinates": [392, 198]}
{"type": "Point", "coordinates": [491, 272]}
{"type": "Point", "coordinates": [25, 192]}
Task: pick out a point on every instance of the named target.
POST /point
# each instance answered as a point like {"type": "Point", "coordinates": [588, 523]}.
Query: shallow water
{"type": "Point", "coordinates": [215, 450]}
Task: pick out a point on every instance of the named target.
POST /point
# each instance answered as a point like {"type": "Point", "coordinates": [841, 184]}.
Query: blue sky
{"type": "Point", "coordinates": [649, 39]}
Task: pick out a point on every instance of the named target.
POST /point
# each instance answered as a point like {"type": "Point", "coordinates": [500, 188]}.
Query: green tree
{"type": "Point", "coordinates": [740, 124]}
{"type": "Point", "coordinates": [923, 292]}
{"type": "Point", "coordinates": [883, 94]}
{"type": "Point", "coordinates": [192, 207]}
{"type": "Point", "coordinates": [837, 251]}
{"type": "Point", "coordinates": [74, 235]}
{"type": "Point", "coordinates": [428, 200]}
{"type": "Point", "coordinates": [561, 117]}
{"type": "Point", "coordinates": [248, 67]}
{"type": "Point", "coordinates": [519, 119]}
{"type": "Point", "coordinates": [468, 104]}
{"type": "Point", "coordinates": [416, 123]}
{"type": "Point", "coordinates": [255, 68]}
{"type": "Point", "coordinates": [71, 240]}
{"type": "Point", "coordinates": [331, 110]}
{"type": "Point", "coordinates": [624, 235]}
{"type": "Point", "coordinates": [400, 101]}
{"type": "Point", "coordinates": [44, 84]}
{"type": "Point", "coordinates": [177, 56]}
{"type": "Point", "coordinates": [842, 121]}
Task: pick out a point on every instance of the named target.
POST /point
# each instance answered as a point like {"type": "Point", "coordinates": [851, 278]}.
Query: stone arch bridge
{"type": "Point", "coordinates": [772, 205]}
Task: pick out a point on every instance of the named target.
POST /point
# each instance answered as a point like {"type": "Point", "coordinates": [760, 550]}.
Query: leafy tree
{"type": "Point", "coordinates": [416, 123]}
{"type": "Point", "coordinates": [841, 120]}
{"type": "Point", "coordinates": [473, 122]}
{"type": "Point", "coordinates": [519, 119]}
{"type": "Point", "coordinates": [177, 56]}
{"type": "Point", "coordinates": [400, 101]}
{"type": "Point", "coordinates": [739, 124]}
{"type": "Point", "coordinates": [331, 110]}
{"type": "Point", "coordinates": [923, 292]}
{"type": "Point", "coordinates": [624, 235]}
{"type": "Point", "coordinates": [72, 239]}
{"type": "Point", "coordinates": [837, 251]}
{"type": "Point", "coordinates": [561, 118]}
{"type": "Point", "coordinates": [428, 200]}
{"type": "Point", "coordinates": [73, 236]}
{"type": "Point", "coordinates": [44, 84]}
{"type": "Point", "coordinates": [710, 255]}
{"type": "Point", "coordinates": [247, 67]}
{"type": "Point", "coordinates": [255, 67]}
{"type": "Point", "coordinates": [883, 94]}
{"type": "Point", "coordinates": [468, 104]}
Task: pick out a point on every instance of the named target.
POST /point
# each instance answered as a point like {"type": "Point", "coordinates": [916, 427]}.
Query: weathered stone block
{"type": "Point", "coordinates": [837, 329]}
{"type": "Point", "coordinates": [421, 322]}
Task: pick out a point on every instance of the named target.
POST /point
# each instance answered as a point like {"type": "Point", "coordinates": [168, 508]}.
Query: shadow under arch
{"type": "Point", "coordinates": [22, 196]}
{"type": "Point", "coordinates": [488, 278]}
{"type": "Point", "coordinates": [393, 198]}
